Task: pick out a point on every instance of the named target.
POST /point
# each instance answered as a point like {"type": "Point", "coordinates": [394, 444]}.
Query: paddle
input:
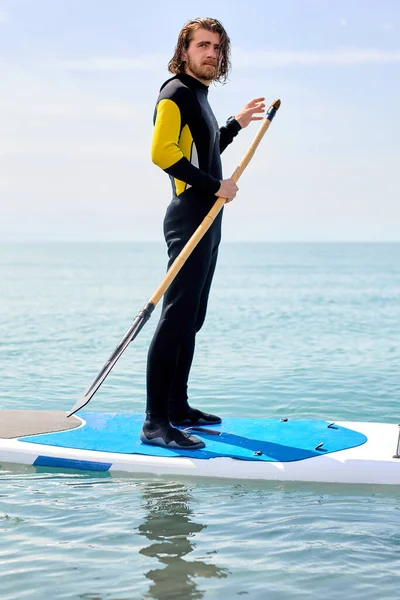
{"type": "Point", "coordinates": [144, 315]}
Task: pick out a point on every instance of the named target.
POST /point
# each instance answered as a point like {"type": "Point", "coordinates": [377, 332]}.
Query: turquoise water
{"type": "Point", "coordinates": [296, 330]}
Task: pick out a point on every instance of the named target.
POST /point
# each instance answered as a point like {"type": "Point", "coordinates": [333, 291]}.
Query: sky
{"type": "Point", "coordinates": [78, 84]}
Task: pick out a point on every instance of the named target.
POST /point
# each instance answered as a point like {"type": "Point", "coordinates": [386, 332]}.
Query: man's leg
{"type": "Point", "coordinates": [161, 366]}
{"type": "Point", "coordinates": [179, 316]}
{"type": "Point", "coordinates": [179, 410]}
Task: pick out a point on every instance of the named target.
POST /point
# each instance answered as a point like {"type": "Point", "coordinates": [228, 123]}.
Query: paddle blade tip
{"type": "Point", "coordinates": [77, 406]}
{"type": "Point", "coordinates": [72, 412]}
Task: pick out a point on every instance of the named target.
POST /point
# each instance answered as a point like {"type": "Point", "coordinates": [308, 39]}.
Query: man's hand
{"type": "Point", "coordinates": [253, 111]}
{"type": "Point", "coordinates": [228, 189]}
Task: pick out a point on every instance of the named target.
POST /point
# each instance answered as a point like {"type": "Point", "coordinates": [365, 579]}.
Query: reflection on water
{"type": "Point", "coordinates": [170, 529]}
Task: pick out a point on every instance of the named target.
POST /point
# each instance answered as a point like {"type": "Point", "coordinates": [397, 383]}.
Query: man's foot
{"type": "Point", "coordinates": [166, 436]}
{"type": "Point", "coordinates": [195, 417]}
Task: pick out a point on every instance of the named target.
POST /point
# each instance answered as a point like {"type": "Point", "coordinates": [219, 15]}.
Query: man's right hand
{"type": "Point", "coordinates": [227, 190]}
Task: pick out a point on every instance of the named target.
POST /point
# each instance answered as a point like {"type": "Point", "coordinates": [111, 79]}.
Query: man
{"type": "Point", "coordinates": [187, 144]}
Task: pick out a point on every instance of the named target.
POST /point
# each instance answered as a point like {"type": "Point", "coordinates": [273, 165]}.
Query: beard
{"type": "Point", "coordinates": [208, 72]}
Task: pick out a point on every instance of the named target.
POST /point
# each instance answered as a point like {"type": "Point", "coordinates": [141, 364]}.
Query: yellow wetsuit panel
{"type": "Point", "coordinates": [165, 151]}
{"type": "Point", "coordinates": [169, 144]}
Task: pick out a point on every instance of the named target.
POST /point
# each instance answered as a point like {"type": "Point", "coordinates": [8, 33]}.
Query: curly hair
{"type": "Point", "coordinates": [177, 65]}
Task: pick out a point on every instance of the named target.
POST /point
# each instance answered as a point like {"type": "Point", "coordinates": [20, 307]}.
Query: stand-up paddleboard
{"type": "Point", "coordinates": [240, 448]}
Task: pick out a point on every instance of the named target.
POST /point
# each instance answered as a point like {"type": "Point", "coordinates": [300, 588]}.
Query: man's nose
{"type": "Point", "coordinates": [212, 53]}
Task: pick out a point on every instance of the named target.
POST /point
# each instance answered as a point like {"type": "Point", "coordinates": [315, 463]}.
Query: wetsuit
{"type": "Point", "coordinates": [187, 144]}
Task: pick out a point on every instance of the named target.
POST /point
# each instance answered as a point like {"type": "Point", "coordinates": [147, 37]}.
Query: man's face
{"type": "Point", "coordinates": [202, 55]}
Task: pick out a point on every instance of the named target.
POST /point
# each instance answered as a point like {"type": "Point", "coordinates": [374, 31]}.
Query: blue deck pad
{"type": "Point", "coordinates": [240, 438]}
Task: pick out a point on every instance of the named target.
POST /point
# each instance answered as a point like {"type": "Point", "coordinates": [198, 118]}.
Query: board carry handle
{"type": "Point", "coordinates": [144, 314]}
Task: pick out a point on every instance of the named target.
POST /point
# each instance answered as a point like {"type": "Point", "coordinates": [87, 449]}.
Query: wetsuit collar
{"type": "Point", "coordinates": [192, 82]}
{"type": "Point", "coordinates": [188, 80]}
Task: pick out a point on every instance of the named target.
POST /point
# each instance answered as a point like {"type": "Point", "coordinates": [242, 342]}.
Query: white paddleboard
{"type": "Point", "coordinates": [252, 449]}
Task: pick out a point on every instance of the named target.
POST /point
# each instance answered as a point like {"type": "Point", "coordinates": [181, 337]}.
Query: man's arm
{"type": "Point", "coordinates": [166, 153]}
{"type": "Point", "coordinates": [228, 132]}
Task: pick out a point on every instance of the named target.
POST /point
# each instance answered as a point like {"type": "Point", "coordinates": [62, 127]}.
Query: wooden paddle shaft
{"type": "Point", "coordinates": [209, 218]}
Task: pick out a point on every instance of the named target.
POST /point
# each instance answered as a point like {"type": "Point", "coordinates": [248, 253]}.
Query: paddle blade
{"type": "Point", "coordinates": [130, 335]}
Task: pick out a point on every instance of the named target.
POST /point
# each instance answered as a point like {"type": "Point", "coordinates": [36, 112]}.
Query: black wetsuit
{"type": "Point", "coordinates": [187, 144]}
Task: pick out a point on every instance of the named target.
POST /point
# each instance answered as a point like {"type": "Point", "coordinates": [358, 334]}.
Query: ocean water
{"type": "Point", "coordinates": [293, 330]}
